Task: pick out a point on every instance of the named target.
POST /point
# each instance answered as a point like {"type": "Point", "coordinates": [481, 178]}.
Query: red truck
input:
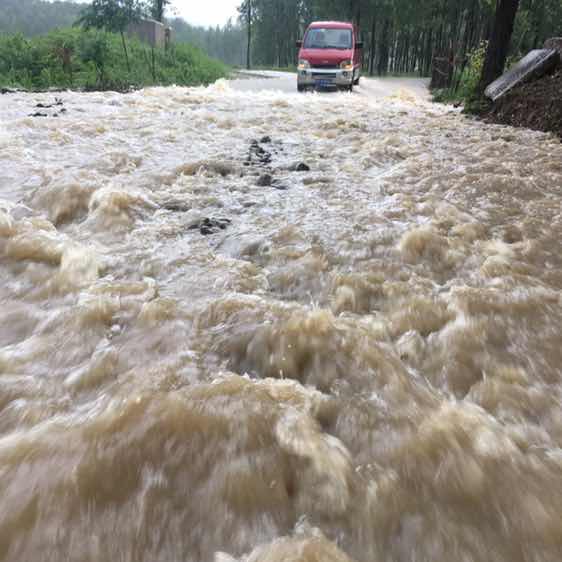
{"type": "Point", "coordinates": [330, 56]}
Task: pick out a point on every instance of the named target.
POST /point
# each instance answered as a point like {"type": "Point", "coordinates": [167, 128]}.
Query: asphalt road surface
{"type": "Point", "coordinates": [255, 81]}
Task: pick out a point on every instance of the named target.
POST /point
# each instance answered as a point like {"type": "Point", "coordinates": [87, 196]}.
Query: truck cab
{"type": "Point", "coordinates": [330, 56]}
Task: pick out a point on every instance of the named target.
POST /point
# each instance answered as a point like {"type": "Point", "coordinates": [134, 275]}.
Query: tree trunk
{"type": "Point", "coordinates": [372, 52]}
{"type": "Point", "coordinates": [159, 10]}
{"type": "Point", "coordinates": [249, 22]}
{"type": "Point", "coordinates": [383, 49]}
{"type": "Point", "coordinates": [125, 51]}
{"type": "Point", "coordinates": [496, 53]}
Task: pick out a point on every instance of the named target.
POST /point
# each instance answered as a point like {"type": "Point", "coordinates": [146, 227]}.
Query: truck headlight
{"type": "Point", "coordinates": [347, 65]}
{"type": "Point", "coordinates": [303, 64]}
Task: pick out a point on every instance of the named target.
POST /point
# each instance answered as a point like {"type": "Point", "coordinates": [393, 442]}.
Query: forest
{"type": "Point", "coordinates": [36, 17]}
{"type": "Point", "coordinates": [400, 36]}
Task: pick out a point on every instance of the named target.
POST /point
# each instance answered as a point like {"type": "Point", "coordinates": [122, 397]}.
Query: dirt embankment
{"type": "Point", "coordinates": [536, 105]}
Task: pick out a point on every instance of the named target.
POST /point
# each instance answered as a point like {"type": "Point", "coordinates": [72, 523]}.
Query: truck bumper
{"type": "Point", "coordinates": [325, 78]}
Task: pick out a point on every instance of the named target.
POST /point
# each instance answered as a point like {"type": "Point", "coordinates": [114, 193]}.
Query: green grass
{"type": "Point", "coordinates": [94, 60]}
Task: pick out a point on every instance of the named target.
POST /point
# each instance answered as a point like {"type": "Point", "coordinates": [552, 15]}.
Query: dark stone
{"type": "Point", "coordinates": [57, 103]}
{"type": "Point", "coordinates": [299, 167]}
{"type": "Point", "coordinates": [208, 225]}
{"type": "Point", "coordinates": [279, 186]}
{"type": "Point", "coordinates": [6, 91]}
{"type": "Point", "coordinates": [176, 206]}
{"type": "Point", "coordinates": [38, 114]}
{"type": "Point", "coordinates": [264, 180]}
{"type": "Point", "coordinates": [257, 154]}
{"type": "Point", "coordinates": [265, 140]}
{"type": "Point", "coordinates": [554, 44]}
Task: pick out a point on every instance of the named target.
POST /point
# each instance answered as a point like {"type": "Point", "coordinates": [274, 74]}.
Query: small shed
{"type": "Point", "coordinates": [151, 31]}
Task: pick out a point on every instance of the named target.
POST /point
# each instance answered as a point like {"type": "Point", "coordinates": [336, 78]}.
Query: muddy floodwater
{"type": "Point", "coordinates": [339, 343]}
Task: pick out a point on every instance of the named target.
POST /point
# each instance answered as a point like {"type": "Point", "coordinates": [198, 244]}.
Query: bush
{"type": "Point", "coordinates": [470, 76]}
{"type": "Point", "coordinates": [465, 81]}
{"type": "Point", "coordinates": [74, 58]}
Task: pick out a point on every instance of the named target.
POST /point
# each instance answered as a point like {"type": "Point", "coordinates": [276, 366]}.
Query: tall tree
{"type": "Point", "coordinates": [157, 9]}
{"type": "Point", "coordinates": [112, 15]}
{"type": "Point", "coordinates": [249, 25]}
{"type": "Point", "coordinates": [498, 46]}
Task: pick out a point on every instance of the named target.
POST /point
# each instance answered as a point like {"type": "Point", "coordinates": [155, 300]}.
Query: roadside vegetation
{"type": "Point", "coordinates": [98, 54]}
{"type": "Point", "coordinates": [94, 60]}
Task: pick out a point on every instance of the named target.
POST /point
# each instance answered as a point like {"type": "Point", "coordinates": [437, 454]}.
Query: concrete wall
{"type": "Point", "coordinates": [149, 31]}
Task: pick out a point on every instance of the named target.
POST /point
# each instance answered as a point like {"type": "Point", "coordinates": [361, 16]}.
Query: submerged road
{"type": "Point", "coordinates": [244, 324]}
{"type": "Point", "coordinates": [256, 81]}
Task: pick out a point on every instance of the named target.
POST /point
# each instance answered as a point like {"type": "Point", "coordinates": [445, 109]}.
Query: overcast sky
{"type": "Point", "coordinates": [206, 12]}
{"type": "Point", "coordinates": [202, 12]}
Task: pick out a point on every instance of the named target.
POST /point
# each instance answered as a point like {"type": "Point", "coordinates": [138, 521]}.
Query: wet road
{"type": "Point", "coordinates": [262, 81]}
{"type": "Point", "coordinates": [264, 326]}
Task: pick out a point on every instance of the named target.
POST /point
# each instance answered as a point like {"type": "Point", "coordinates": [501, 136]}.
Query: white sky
{"type": "Point", "coordinates": [206, 12]}
{"type": "Point", "coordinates": [202, 12]}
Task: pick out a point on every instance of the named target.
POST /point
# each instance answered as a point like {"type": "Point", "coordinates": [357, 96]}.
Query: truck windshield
{"type": "Point", "coordinates": [321, 38]}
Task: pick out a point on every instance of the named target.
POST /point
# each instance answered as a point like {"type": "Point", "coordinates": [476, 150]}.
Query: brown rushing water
{"type": "Point", "coordinates": [365, 366]}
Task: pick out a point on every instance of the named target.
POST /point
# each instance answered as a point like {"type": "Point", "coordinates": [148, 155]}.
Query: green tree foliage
{"type": "Point", "coordinates": [114, 16]}
{"type": "Point", "coordinates": [94, 62]}
{"type": "Point", "coordinates": [35, 17]}
{"type": "Point", "coordinates": [157, 9]}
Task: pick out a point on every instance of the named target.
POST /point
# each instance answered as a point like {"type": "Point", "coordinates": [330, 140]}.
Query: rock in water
{"type": "Point", "coordinates": [176, 206]}
{"type": "Point", "coordinates": [264, 180]}
{"type": "Point", "coordinates": [208, 225]}
{"type": "Point", "coordinates": [532, 66]}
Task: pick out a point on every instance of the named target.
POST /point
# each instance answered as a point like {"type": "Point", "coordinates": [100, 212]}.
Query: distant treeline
{"type": "Point", "coordinates": [36, 17]}
{"type": "Point", "coordinates": [227, 43]}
